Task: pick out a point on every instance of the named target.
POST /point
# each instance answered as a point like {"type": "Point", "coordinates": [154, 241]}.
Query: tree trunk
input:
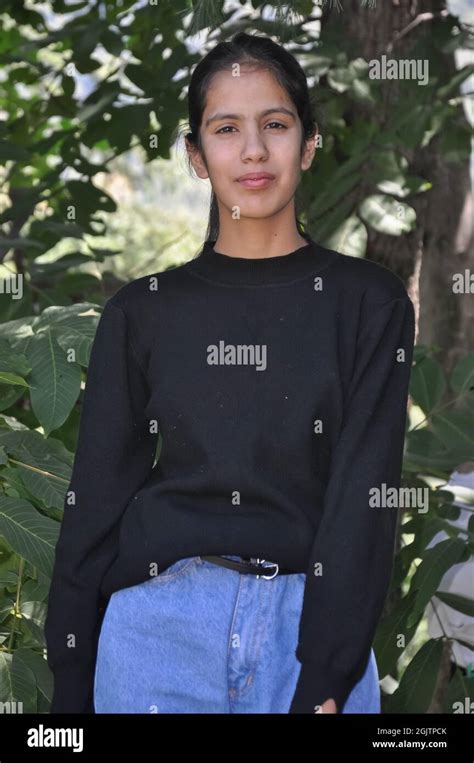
{"type": "Point", "coordinates": [442, 242]}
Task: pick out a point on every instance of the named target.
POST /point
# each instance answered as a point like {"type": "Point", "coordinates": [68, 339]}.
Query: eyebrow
{"type": "Point", "coordinates": [273, 110]}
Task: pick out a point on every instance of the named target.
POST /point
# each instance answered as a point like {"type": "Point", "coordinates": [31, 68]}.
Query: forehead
{"type": "Point", "coordinates": [252, 87]}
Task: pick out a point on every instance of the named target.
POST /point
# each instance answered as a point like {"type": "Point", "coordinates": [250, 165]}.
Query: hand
{"type": "Point", "coordinates": [329, 706]}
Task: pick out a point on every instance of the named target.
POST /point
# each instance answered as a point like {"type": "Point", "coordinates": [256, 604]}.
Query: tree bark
{"type": "Point", "coordinates": [442, 242]}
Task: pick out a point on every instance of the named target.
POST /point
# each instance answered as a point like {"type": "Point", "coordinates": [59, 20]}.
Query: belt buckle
{"type": "Point", "coordinates": [269, 564]}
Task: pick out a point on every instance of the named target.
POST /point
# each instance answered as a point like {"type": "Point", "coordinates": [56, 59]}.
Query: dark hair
{"type": "Point", "coordinates": [259, 51]}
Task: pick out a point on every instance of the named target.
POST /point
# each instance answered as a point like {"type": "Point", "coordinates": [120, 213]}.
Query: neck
{"type": "Point", "coordinates": [263, 270]}
{"type": "Point", "coordinates": [260, 246]}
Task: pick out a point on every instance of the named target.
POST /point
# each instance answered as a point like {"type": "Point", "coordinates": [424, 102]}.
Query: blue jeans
{"type": "Point", "coordinates": [202, 638]}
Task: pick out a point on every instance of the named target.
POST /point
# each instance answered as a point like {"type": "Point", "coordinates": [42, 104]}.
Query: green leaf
{"type": "Point", "coordinates": [94, 107]}
{"type": "Point", "coordinates": [440, 114]}
{"type": "Point", "coordinates": [30, 534]}
{"type": "Point", "coordinates": [126, 121]}
{"type": "Point", "coordinates": [44, 465]}
{"type": "Point", "coordinates": [11, 361]}
{"type": "Point", "coordinates": [315, 64]}
{"type": "Point", "coordinates": [73, 327]}
{"type": "Point", "coordinates": [12, 152]}
{"type": "Point", "coordinates": [449, 511]}
{"type": "Point", "coordinates": [457, 602]}
{"type": "Point", "coordinates": [460, 694]}
{"type": "Point", "coordinates": [387, 215]}
{"type": "Point", "coordinates": [14, 333]}
{"type": "Point", "coordinates": [40, 270]}
{"type": "Point", "coordinates": [40, 669]}
{"type": "Point", "coordinates": [33, 614]}
{"type": "Point", "coordinates": [340, 187]}
{"type": "Point", "coordinates": [470, 524]}
{"type": "Point", "coordinates": [424, 451]}
{"type": "Point", "coordinates": [19, 243]}
{"type": "Point", "coordinates": [113, 42]}
{"type": "Point", "coordinates": [88, 199]}
{"type": "Point", "coordinates": [418, 683]}
{"type": "Point", "coordinates": [456, 432]}
{"type": "Point", "coordinates": [436, 562]}
{"type": "Point", "coordinates": [455, 143]}
{"type": "Point", "coordinates": [17, 684]}
{"type": "Point", "coordinates": [405, 186]}
{"type": "Point", "coordinates": [407, 127]}
{"type": "Point", "coordinates": [462, 376]}
{"type": "Point", "coordinates": [393, 636]}
{"type": "Point", "coordinates": [59, 229]}
{"type": "Point", "coordinates": [332, 220]}
{"type": "Point", "coordinates": [340, 79]}
{"type": "Point", "coordinates": [7, 378]}
{"type": "Point", "coordinates": [54, 382]}
{"type": "Point", "coordinates": [427, 384]}
{"type": "Point", "coordinates": [454, 84]}
{"type": "Point", "coordinates": [349, 238]}
{"type": "Point", "coordinates": [9, 396]}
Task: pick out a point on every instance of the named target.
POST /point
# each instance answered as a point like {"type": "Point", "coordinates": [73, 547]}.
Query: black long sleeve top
{"type": "Point", "coordinates": [279, 386]}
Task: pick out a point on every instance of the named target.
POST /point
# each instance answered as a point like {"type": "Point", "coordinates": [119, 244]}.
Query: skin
{"type": "Point", "coordinates": [252, 142]}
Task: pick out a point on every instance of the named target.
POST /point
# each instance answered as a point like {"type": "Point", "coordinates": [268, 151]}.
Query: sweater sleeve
{"type": "Point", "coordinates": [114, 454]}
{"type": "Point", "coordinates": [351, 561]}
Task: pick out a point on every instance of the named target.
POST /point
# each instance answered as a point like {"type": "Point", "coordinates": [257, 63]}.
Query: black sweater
{"type": "Point", "coordinates": [279, 386]}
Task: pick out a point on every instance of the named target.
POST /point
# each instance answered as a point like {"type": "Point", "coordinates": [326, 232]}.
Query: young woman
{"type": "Point", "coordinates": [246, 570]}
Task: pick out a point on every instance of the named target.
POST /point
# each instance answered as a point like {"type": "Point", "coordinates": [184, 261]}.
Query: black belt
{"type": "Point", "coordinates": [251, 566]}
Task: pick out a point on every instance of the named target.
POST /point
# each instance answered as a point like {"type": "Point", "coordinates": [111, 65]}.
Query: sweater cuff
{"type": "Point", "coordinates": [316, 685]}
{"type": "Point", "coordinates": [73, 689]}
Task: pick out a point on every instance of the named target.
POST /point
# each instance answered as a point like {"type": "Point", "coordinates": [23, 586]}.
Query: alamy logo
{"type": "Point", "coordinates": [11, 707]}
{"type": "Point", "coordinates": [402, 497]}
{"type": "Point", "coordinates": [237, 355]}
{"type": "Point", "coordinates": [45, 736]}
{"type": "Point", "coordinates": [399, 69]}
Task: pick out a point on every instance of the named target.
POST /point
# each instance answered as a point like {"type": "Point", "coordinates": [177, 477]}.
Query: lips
{"type": "Point", "coordinates": [256, 176]}
{"type": "Point", "coordinates": [256, 179]}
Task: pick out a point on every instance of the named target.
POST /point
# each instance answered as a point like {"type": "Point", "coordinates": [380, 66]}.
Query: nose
{"type": "Point", "coordinates": [254, 146]}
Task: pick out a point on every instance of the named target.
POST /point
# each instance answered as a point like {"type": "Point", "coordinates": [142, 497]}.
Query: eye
{"type": "Point", "coordinates": [230, 127]}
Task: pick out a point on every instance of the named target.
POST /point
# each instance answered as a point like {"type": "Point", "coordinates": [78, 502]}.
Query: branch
{"type": "Point", "coordinates": [420, 19]}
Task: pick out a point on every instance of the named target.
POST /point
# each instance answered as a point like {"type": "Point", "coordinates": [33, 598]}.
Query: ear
{"type": "Point", "coordinates": [197, 160]}
{"type": "Point", "coordinates": [309, 151]}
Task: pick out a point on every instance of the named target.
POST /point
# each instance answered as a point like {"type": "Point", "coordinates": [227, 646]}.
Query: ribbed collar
{"type": "Point", "coordinates": [255, 271]}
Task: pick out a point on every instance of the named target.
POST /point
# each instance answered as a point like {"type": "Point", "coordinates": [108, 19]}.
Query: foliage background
{"type": "Point", "coordinates": [96, 192]}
